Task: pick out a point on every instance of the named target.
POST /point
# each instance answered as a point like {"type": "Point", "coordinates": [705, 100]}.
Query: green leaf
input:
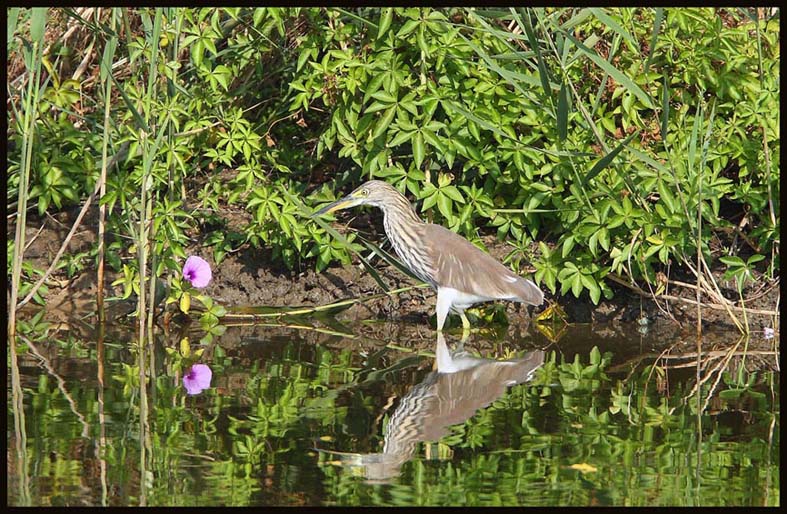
{"type": "Point", "coordinates": [575, 20]}
{"type": "Point", "coordinates": [434, 140]}
{"type": "Point", "coordinates": [409, 106]}
{"type": "Point", "coordinates": [384, 97]}
{"type": "Point", "coordinates": [444, 206]}
{"type": "Point", "coordinates": [692, 152]}
{"type": "Point", "coordinates": [418, 149]}
{"type": "Point", "coordinates": [667, 197]}
{"type": "Point", "coordinates": [304, 56]}
{"type": "Point", "coordinates": [376, 106]}
{"type": "Point", "coordinates": [453, 193]}
{"type": "Point", "coordinates": [754, 259]}
{"type": "Point", "coordinates": [732, 260]}
{"type": "Point", "coordinates": [429, 201]}
{"type": "Point", "coordinates": [341, 128]}
{"type": "Point", "coordinates": [223, 75]}
{"type": "Point", "coordinates": [568, 245]}
{"type": "Point", "coordinates": [400, 138]}
{"type": "Point", "coordinates": [595, 356]}
{"type": "Point", "coordinates": [354, 16]}
{"type": "Point", "coordinates": [649, 160]}
{"type": "Point", "coordinates": [384, 122]}
{"type": "Point", "coordinates": [385, 21]}
{"type": "Point", "coordinates": [407, 28]}
{"type": "Point", "coordinates": [185, 302]}
{"type": "Point", "coordinates": [373, 86]}
{"type": "Point", "coordinates": [592, 287]}
{"type": "Point", "coordinates": [472, 117]}
{"type": "Point", "coordinates": [576, 285]}
{"type": "Point", "coordinates": [731, 394]}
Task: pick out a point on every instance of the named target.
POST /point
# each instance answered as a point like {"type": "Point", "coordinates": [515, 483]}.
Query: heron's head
{"type": "Point", "coordinates": [373, 192]}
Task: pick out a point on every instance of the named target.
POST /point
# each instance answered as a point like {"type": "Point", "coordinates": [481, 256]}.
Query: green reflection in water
{"type": "Point", "coordinates": [287, 416]}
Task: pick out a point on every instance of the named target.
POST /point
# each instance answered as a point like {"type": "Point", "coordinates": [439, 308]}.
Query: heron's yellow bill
{"type": "Point", "coordinates": [344, 203]}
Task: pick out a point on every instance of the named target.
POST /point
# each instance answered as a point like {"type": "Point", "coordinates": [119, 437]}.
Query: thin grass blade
{"type": "Point", "coordinates": [603, 86]}
{"type": "Point", "coordinates": [13, 18]}
{"type": "Point", "coordinates": [512, 77]}
{"type": "Point", "coordinates": [694, 135]}
{"type": "Point", "coordinates": [706, 142]}
{"type": "Point", "coordinates": [37, 24]}
{"type": "Point", "coordinates": [141, 124]}
{"type": "Point", "coordinates": [607, 20]}
{"type": "Point", "coordinates": [390, 259]}
{"type": "Point", "coordinates": [664, 109]}
{"type": "Point", "coordinates": [562, 113]}
{"type": "Point", "coordinates": [354, 16]}
{"type": "Point", "coordinates": [654, 38]}
{"type": "Point", "coordinates": [575, 20]}
{"type": "Point", "coordinates": [373, 272]}
{"type": "Point", "coordinates": [489, 126]}
{"type": "Point", "coordinates": [523, 20]}
{"type": "Point", "coordinates": [613, 72]}
{"type": "Point", "coordinates": [650, 161]}
{"type": "Point", "coordinates": [606, 160]}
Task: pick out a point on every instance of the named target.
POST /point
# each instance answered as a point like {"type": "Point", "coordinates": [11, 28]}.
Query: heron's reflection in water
{"type": "Point", "coordinates": [461, 385]}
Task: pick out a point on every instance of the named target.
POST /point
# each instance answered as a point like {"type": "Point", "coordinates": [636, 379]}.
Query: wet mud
{"type": "Point", "coordinates": [248, 277]}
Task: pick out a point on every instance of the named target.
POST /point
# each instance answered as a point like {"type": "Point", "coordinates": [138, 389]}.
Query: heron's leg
{"type": "Point", "coordinates": [444, 299]}
{"type": "Point", "coordinates": [443, 361]}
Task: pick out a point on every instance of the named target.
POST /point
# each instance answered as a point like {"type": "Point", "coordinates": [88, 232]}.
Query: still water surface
{"type": "Point", "coordinates": [300, 417]}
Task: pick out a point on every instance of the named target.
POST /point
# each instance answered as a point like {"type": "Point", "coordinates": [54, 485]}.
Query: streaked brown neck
{"type": "Point", "coordinates": [405, 231]}
{"type": "Point", "coordinates": [398, 211]}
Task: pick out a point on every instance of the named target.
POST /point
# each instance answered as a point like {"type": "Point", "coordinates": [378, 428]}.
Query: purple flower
{"type": "Point", "coordinates": [197, 271]}
{"type": "Point", "coordinates": [197, 379]}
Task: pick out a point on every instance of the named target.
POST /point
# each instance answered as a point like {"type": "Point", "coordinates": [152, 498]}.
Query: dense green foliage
{"type": "Point", "coordinates": [599, 134]}
{"type": "Point", "coordinates": [598, 144]}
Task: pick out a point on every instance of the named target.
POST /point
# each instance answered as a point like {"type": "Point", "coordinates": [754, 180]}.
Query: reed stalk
{"type": "Point", "coordinates": [20, 431]}
{"type": "Point", "coordinates": [698, 290]}
{"type": "Point", "coordinates": [143, 242]}
{"type": "Point", "coordinates": [105, 70]}
{"type": "Point", "coordinates": [33, 59]}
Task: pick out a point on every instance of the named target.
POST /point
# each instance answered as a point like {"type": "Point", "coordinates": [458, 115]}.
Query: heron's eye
{"type": "Point", "coordinates": [364, 192]}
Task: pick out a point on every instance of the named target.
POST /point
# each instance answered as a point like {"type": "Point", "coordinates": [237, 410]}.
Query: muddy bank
{"type": "Point", "coordinates": [248, 278]}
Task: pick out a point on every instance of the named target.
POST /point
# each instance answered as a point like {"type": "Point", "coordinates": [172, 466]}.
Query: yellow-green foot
{"type": "Point", "coordinates": [465, 326]}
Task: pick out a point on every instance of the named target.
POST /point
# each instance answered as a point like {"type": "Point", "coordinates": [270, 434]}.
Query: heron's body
{"type": "Point", "coordinates": [461, 273]}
